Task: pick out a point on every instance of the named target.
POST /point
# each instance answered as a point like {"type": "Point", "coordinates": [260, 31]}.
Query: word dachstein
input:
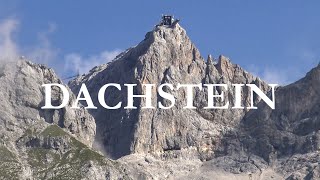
{"type": "Point", "coordinates": [211, 90]}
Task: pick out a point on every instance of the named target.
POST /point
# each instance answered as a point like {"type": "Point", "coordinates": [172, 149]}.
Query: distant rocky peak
{"type": "Point", "coordinates": [314, 73]}
{"type": "Point", "coordinates": [224, 64]}
{"type": "Point", "coordinates": [210, 59]}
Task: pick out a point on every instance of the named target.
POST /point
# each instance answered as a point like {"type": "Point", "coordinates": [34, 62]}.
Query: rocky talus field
{"type": "Point", "coordinates": [176, 143]}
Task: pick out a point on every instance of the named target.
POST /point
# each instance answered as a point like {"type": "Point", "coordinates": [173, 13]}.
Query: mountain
{"type": "Point", "coordinates": [293, 126]}
{"type": "Point", "coordinates": [291, 130]}
{"type": "Point", "coordinates": [45, 144]}
{"type": "Point", "coordinates": [166, 55]}
{"type": "Point", "coordinates": [199, 143]}
{"type": "Point", "coordinates": [174, 143]}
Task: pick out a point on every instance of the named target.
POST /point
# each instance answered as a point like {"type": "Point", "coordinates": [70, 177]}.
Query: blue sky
{"type": "Point", "coordinates": [277, 40]}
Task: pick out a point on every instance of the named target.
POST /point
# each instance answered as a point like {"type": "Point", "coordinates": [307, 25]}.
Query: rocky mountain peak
{"type": "Point", "coordinates": [156, 143]}
{"type": "Point", "coordinates": [166, 55]}
{"type": "Point", "coordinates": [314, 74]}
{"type": "Point", "coordinates": [167, 44]}
{"type": "Point", "coordinates": [167, 33]}
{"type": "Point", "coordinates": [210, 59]}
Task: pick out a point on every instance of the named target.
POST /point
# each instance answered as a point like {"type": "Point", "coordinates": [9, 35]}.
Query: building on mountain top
{"type": "Point", "coordinates": [168, 20]}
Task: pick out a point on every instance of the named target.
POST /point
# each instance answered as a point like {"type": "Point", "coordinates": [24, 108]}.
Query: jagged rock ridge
{"type": "Point", "coordinates": [166, 55]}
{"type": "Point", "coordinates": [162, 144]}
{"type": "Point", "coordinates": [267, 143]}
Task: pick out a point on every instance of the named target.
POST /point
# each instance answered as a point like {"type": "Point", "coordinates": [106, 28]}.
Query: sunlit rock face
{"type": "Point", "coordinates": [231, 143]}
{"type": "Point", "coordinates": [166, 55]}
{"type": "Point", "coordinates": [22, 97]}
{"type": "Point", "coordinates": [174, 143]}
{"type": "Point", "coordinates": [44, 144]}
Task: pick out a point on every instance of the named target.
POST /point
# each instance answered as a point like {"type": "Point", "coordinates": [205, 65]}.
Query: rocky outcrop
{"type": "Point", "coordinates": [45, 144]}
{"type": "Point", "coordinates": [285, 139]}
{"type": "Point", "coordinates": [240, 144]}
{"type": "Point", "coordinates": [155, 143]}
{"type": "Point", "coordinates": [23, 96]}
{"type": "Point", "coordinates": [166, 55]}
{"type": "Point", "coordinates": [54, 153]}
{"type": "Point", "coordinates": [293, 127]}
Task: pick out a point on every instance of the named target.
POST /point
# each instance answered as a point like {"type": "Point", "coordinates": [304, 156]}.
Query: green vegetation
{"type": "Point", "coordinates": [6, 155]}
{"type": "Point", "coordinates": [76, 143]}
{"type": "Point", "coordinates": [38, 157]}
{"type": "Point", "coordinates": [10, 167]}
{"type": "Point", "coordinates": [56, 164]}
{"type": "Point", "coordinates": [67, 160]}
{"type": "Point", "coordinates": [28, 132]}
{"type": "Point", "coordinates": [53, 131]}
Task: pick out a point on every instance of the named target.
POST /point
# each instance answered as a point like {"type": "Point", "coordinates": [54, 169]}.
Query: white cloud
{"type": "Point", "coordinates": [280, 75]}
{"type": "Point", "coordinates": [276, 76]}
{"type": "Point", "coordinates": [74, 62]}
{"type": "Point", "coordinates": [301, 61]}
{"type": "Point", "coordinates": [273, 75]}
{"type": "Point", "coordinates": [45, 53]}
{"type": "Point", "coordinates": [306, 54]}
{"type": "Point", "coordinates": [8, 48]}
{"type": "Point", "coordinates": [41, 52]}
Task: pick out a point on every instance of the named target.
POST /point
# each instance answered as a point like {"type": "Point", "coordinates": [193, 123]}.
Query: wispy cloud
{"type": "Point", "coordinates": [281, 75]}
{"type": "Point", "coordinates": [45, 53]}
{"type": "Point", "coordinates": [301, 60]}
{"type": "Point", "coordinates": [8, 48]}
{"type": "Point", "coordinates": [75, 62]}
{"type": "Point", "coordinates": [276, 76]}
{"type": "Point", "coordinates": [41, 52]}
{"type": "Point", "coordinates": [270, 74]}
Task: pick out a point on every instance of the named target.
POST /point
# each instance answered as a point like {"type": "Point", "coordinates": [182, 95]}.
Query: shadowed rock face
{"type": "Point", "coordinates": [293, 127]}
{"type": "Point", "coordinates": [287, 138]}
{"type": "Point", "coordinates": [166, 55]}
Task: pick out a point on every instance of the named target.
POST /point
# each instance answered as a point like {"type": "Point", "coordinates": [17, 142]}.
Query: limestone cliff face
{"type": "Point", "coordinates": [46, 144]}
{"type": "Point", "coordinates": [285, 139]}
{"type": "Point", "coordinates": [22, 97]}
{"type": "Point", "coordinates": [281, 143]}
{"type": "Point", "coordinates": [293, 127]}
{"type": "Point", "coordinates": [166, 55]}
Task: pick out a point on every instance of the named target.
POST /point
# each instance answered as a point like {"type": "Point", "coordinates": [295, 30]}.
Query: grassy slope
{"type": "Point", "coordinates": [10, 167]}
{"type": "Point", "coordinates": [53, 164]}
{"type": "Point", "coordinates": [48, 163]}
